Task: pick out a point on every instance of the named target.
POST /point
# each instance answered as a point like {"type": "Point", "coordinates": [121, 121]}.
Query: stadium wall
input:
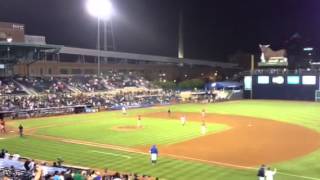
{"type": "Point", "coordinates": [14, 31]}
{"type": "Point", "coordinates": [151, 71]}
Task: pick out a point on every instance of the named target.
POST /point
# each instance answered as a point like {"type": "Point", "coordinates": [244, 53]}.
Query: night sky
{"type": "Point", "coordinates": [213, 29]}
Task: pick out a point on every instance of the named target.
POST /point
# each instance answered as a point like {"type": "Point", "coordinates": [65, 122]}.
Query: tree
{"type": "Point", "coordinates": [167, 85]}
{"type": "Point", "coordinates": [191, 84]}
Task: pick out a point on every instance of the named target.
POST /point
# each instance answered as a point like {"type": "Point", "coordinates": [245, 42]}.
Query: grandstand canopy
{"type": "Point", "coordinates": [24, 49]}
{"type": "Point", "coordinates": [143, 57]}
{"type": "Point", "coordinates": [11, 53]}
{"type": "Point", "coordinates": [24, 46]}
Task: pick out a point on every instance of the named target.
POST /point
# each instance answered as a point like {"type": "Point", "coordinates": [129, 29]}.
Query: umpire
{"type": "Point", "coordinates": [261, 172]}
{"type": "Point", "coordinates": [21, 130]}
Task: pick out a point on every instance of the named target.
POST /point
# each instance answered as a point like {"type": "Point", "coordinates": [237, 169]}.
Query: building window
{"type": "Point", "coordinates": [64, 71]}
{"type": "Point", "coordinates": [50, 71]}
{"type": "Point", "coordinates": [88, 71]}
{"type": "Point", "coordinates": [76, 71]}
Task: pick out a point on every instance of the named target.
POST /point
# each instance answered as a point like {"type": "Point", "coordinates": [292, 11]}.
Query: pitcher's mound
{"type": "Point", "coordinates": [126, 128]}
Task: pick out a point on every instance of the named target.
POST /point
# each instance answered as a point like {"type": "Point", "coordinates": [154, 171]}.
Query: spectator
{"type": "Point", "coordinates": [56, 176]}
{"type": "Point", "coordinates": [38, 172]}
{"type": "Point", "coordinates": [26, 164]}
{"type": "Point", "coordinates": [116, 176]}
{"type": "Point", "coordinates": [78, 176]}
{"type": "Point", "coordinates": [2, 153]}
{"type": "Point", "coordinates": [62, 174]}
{"type": "Point", "coordinates": [67, 175]}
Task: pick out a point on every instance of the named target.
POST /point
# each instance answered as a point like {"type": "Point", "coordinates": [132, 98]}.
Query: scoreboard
{"type": "Point", "coordinates": [289, 87]}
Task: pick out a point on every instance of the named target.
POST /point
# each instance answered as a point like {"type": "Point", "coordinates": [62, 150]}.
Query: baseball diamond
{"type": "Point", "coordinates": [239, 139]}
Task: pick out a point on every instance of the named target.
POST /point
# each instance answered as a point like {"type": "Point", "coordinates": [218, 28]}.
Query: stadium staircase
{"type": "Point", "coordinates": [29, 91]}
{"type": "Point", "coordinates": [73, 89]}
{"type": "Point", "coordinates": [236, 95]}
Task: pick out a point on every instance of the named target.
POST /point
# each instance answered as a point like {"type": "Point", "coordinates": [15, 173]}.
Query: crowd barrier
{"type": "Point", "coordinates": [44, 112]}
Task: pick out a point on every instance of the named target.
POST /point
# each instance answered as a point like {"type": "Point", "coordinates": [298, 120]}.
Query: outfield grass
{"type": "Point", "coordinates": [300, 113]}
{"type": "Point", "coordinates": [83, 127]}
{"type": "Point", "coordinates": [167, 168]}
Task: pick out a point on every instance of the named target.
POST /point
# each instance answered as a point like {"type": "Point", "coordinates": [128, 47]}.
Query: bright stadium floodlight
{"type": "Point", "coordinates": [100, 8]}
{"type": "Point", "coordinates": [9, 39]}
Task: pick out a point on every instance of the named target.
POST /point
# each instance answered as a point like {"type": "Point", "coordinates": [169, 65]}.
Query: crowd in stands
{"type": "Point", "coordinates": [7, 87]}
{"type": "Point", "coordinates": [110, 91]}
{"type": "Point", "coordinates": [128, 99]}
{"type": "Point", "coordinates": [109, 81]}
{"type": "Point", "coordinates": [106, 82]}
{"type": "Point", "coordinates": [13, 167]}
{"type": "Point", "coordinates": [44, 84]}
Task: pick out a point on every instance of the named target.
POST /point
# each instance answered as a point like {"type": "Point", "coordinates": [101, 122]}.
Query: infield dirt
{"type": "Point", "coordinates": [249, 141]}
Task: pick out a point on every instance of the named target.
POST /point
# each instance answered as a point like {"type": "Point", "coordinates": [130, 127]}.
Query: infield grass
{"type": "Point", "coordinates": [101, 128]}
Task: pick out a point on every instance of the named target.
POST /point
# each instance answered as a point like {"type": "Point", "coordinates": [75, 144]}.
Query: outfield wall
{"type": "Point", "coordinates": [287, 87]}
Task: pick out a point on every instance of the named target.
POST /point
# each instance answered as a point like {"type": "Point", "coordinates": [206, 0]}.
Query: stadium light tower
{"type": "Point", "coordinates": [102, 10]}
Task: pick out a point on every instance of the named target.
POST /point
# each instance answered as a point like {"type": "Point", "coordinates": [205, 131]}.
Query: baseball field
{"type": "Point", "coordinates": [241, 135]}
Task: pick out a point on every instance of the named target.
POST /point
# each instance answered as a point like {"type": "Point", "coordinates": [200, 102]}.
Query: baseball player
{"type": "Point", "coordinates": [203, 113]}
{"type": "Point", "coordinates": [154, 154]}
{"type": "Point", "coordinates": [183, 120]}
{"type": "Point", "coordinates": [21, 130]}
{"type": "Point", "coordinates": [269, 173]}
{"type": "Point", "coordinates": [139, 121]}
{"type": "Point", "coordinates": [124, 110]}
{"type": "Point", "coordinates": [203, 128]}
{"type": "Point", "coordinates": [3, 126]}
{"type": "Point", "coordinates": [261, 172]}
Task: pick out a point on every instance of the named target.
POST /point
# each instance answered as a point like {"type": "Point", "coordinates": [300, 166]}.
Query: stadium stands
{"type": "Point", "coordinates": [43, 96]}
{"type": "Point", "coordinates": [9, 87]}
{"type": "Point", "coordinates": [27, 169]}
{"type": "Point", "coordinates": [109, 81]}
{"type": "Point", "coordinates": [62, 95]}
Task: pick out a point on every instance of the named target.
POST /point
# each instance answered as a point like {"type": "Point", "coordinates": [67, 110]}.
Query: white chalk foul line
{"type": "Point", "coordinates": [211, 162]}
{"type": "Point", "coordinates": [236, 166]}
{"type": "Point", "coordinates": [298, 176]}
{"type": "Point", "coordinates": [188, 158]}
{"type": "Point", "coordinates": [112, 154]}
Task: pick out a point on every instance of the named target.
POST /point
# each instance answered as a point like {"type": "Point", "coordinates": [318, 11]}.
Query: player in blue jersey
{"type": "Point", "coordinates": [154, 154]}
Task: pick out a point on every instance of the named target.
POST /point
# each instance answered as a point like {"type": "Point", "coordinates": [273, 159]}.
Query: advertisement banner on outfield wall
{"type": "Point", "coordinates": [248, 83]}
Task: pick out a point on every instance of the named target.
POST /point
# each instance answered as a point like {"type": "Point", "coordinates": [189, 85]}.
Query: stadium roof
{"type": "Point", "coordinates": [143, 57]}
{"type": "Point", "coordinates": [56, 48]}
{"type": "Point", "coordinates": [50, 48]}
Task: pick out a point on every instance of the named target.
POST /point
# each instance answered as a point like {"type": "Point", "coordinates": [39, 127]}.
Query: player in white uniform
{"type": "Point", "coordinates": [269, 173]}
{"type": "Point", "coordinates": [203, 113]}
{"type": "Point", "coordinates": [183, 120]}
{"type": "Point", "coordinates": [124, 110]}
{"type": "Point", "coordinates": [203, 129]}
{"type": "Point", "coordinates": [139, 121]}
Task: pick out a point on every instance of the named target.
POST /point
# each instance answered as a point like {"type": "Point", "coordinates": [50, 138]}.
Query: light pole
{"type": "Point", "coordinates": [102, 10]}
{"type": "Point", "coordinates": [99, 49]}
